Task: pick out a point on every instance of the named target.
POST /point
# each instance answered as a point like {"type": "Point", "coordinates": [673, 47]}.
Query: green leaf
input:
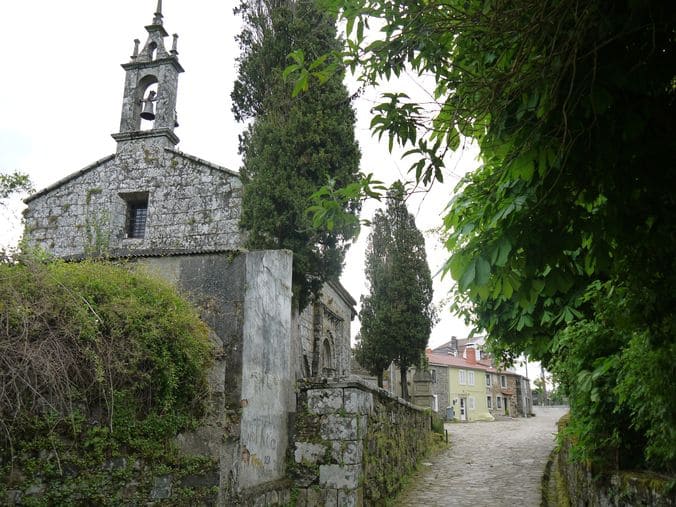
{"type": "Point", "coordinates": [453, 139]}
{"type": "Point", "coordinates": [301, 83]}
{"type": "Point", "coordinates": [468, 276]}
{"type": "Point", "coordinates": [507, 289]}
{"type": "Point", "coordinates": [457, 265]}
{"type": "Point", "coordinates": [504, 247]}
{"type": "Point", "coordinates": [483, 271]}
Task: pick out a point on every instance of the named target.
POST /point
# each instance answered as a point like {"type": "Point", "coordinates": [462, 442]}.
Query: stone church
{"type": "Point", "coordinates": [150, 199]}
{"type": "Point", "coordinates": [178, 216]}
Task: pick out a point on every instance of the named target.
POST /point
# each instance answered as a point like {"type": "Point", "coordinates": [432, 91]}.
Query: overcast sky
{"type": "Point", "coordinates": [61, 98]}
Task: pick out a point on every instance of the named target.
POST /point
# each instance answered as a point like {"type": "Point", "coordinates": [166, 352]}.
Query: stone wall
{"type": "Point", "coordinates": [237, 456]}
{"type": "Point", "coordinates": [192, 206]}
{"type": "Point", "coordinates": [354, 443]}
{"type": "Point", "coordinates": [586, 486]}
{"type": "Point", "coordinates": [245, 298]}
{"type": "Point", "coordinates": [440, 388]}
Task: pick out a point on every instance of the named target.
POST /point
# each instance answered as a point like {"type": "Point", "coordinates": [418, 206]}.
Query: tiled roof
{"type": "Point", "coordinates": [461, 362]}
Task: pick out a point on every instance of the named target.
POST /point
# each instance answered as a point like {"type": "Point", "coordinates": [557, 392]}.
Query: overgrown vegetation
{"type": "Point", "coordinates": [293, 147]}
{"type": "Point", "coordinates": [563, 242]}
{"type": "Point", "coordinates": [100, 367]}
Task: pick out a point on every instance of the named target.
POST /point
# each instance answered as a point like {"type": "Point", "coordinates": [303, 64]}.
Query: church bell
{"type": "Point", "coordinates": [148, 112]}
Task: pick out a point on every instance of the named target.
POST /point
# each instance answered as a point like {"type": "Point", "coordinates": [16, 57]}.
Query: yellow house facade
{"type": "Point", "coordinates": [468, 392]}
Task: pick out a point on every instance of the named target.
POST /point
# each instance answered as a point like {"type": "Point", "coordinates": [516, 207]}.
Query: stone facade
{"type": "Point", "coordinates": [322, 334]}
{"type": "Point", "coordinates": [192, 206]}
{"type": "Point", "coordinates": [354, 444]}
{"type": "Point", "coordinates": [189, 206]}
{"type": "Point", "coordinates": [440, 389]}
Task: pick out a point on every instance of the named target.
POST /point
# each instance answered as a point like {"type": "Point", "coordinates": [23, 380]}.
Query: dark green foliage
{"type": "Point", "coordinates": [294, 145]}
{"type": "Point", "coordinates": [617, 381]}
{"type": "Point", "coordinates": [572, 106]}
{"type": "Point", "coordinates": [97, 362]}
{"type": "Point", "coordinates": [397, 315]}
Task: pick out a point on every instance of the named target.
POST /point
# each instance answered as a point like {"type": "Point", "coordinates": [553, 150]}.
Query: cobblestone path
{"type": "Point", "coordinates": [496, 463]}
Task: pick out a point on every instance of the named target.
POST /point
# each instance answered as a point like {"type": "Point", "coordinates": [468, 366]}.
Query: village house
{"type": "Point", "coordinates": [467, 386]}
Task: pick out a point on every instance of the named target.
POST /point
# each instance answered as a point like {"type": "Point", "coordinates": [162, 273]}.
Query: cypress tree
{"type": "Point", "coordinates": [293, 145]}
{"type": "Point", "coordinates": [397, 315]}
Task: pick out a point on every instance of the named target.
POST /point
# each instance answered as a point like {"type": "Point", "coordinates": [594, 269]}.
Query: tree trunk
{"type": "Point", "coordinates": [404, 383]}
{"type": "Point", "coordinates": [380, 379]}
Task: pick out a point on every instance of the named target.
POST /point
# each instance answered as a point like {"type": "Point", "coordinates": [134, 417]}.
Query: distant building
{"type": "Point", "coordinates": [470, 388]}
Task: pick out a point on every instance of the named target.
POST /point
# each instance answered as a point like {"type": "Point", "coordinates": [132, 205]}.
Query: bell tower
{"type": "Point", "coordinates": [150, 88]}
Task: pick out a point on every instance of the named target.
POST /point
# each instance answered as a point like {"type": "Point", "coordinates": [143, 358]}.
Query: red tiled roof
{"type": "Point", "coordinates": [449, 360]}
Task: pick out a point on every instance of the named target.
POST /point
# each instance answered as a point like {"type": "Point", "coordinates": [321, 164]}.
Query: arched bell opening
{"type": "Point", "coordinates": [146, 103]}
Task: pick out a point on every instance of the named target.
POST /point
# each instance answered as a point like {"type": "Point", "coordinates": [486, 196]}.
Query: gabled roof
{"type": "Point", "coordinates": [461, 343]}
{"type": "Point", "coordinates": [342, 292]}
{"type": "Point", "coordinates": [102, 161]}
{"type": "Point", "coordinates": [202, 161]}
{"type": "Point", "coordinates": [454, 361]}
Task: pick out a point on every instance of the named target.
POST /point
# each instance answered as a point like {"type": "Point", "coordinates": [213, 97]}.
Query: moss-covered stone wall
{"type": "Point", "coordinates": [585, 485]}
{"type": "Point", "coordinates": [354, 444]}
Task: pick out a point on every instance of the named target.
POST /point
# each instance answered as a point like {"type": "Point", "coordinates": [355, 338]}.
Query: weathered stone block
{"type": "Point", "coordinates": [309, 453]}
{"type": "Point", "coordinates": [36, 489]}
{"type": "Point", "coordinates": [206, 480]}
{"type": "Point", "coordinates": [358, 401]}
{"type": "Point", "coordinates": [324, 401]}
{"type": "Point", "coordinates": [14, 497]}
{"type": "Point", "coordinates": [202, 442]}
{"type": "Point", "coordinates": [161, 488]}
{"type": "Point", "coordinates": [351, 498]}
{"type": "Point", "coordinates": [348, 453]}
{"type": "Point", "coordinates": [301, 499]}
{"type": "Point", "coordinates": [338, 427]}
{"type": "Point", "coordinates": [315, 496]}
{"type": "Point", "coordinates": [330, 498]}
{"type": "Point", "coordinates": [115, 463]}
{"type": "Point", "coordinates": [340, 476]}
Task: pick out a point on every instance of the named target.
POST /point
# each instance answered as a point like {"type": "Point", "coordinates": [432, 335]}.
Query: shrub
{"type": "Point", "coordinates": [96, 353]}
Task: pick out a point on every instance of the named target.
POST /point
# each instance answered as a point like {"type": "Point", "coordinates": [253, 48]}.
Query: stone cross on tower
{"type": "Point", "coordinates": [153, 66]}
